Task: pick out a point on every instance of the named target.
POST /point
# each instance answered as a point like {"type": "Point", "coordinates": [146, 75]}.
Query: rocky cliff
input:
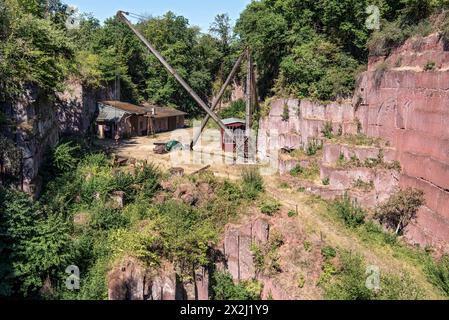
{"type": "Point", "coordinates": [40, 119]}
{"type": "Point", "coordinates": [401, 99]}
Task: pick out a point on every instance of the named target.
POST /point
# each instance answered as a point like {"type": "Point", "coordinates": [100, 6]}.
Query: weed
{"type": "Point", "coordinates": [328, 131]}
{"type": "Point", "coordinates": [270, 207]}
{"type": "Point", "coordinates": [429, 66]}
{"type": "Point", "coordinates": [350, 211]}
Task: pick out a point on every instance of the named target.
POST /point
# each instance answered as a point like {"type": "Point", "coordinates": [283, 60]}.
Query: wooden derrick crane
{"type": "Point", "coordinates": [251, 97]}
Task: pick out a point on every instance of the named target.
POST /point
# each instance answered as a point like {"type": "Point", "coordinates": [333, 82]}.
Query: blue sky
{"type": "Point", "coordinates": [199, 12]}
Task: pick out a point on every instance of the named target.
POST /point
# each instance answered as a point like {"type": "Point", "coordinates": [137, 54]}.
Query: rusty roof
{"type": "Point", "coordinates": [160, 112]}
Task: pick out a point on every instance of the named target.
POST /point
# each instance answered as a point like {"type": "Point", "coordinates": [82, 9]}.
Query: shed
{"type": "Point", "coordinates": [133, 120]}
{"type": "Point", "coordinates": [237, 126]}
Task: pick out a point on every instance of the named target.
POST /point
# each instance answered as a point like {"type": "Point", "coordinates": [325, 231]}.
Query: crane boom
{"type": "Point", "coordinates": [193, 94]}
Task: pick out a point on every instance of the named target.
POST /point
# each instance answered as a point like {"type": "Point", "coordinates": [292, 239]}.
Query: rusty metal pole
{"type": "Point", "coordinates": [121, 16]}
{"type": "Point", "coordinates": [218, 98]}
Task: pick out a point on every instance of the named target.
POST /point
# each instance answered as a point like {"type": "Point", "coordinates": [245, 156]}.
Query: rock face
{"type": "Point", "coordinates": [41, 120]}
{"type": "Point", "coordinates": [36, 129]}
{"type": "Point", "coordinates": [237, 247]}
{"type": "Point", "coordinates": [238, 257]}
{"type": "Point", "coordinates": [305, 122]}
{"type": "Point", "coordinates": [410, 108]}
{"type": "Point", "coordinates": [399, 102]}
{"type": "Point", "coordinates": [130, 280]}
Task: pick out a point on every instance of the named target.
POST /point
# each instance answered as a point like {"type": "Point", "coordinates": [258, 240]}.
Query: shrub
{"type": "Point", "coordinates": [297, 170]}
{"type": "Point", "coordinates": [349, 283]}
{"type": "Point", "coordinates": [400, 209]}
{"type": "Point", "coordinates": [63, 157]}
{"type": "Point", "coordinates": [292, 213]}
{"type": "Point", "coordinates": [223, 288]}
{"type": "Point", "coordinates": [328, 131]}
{"type": "Point", "coordinates": [285, 113]}
{"type": "Point", "coordinates": [438, 273]}
{"type": "Point", "coordinates": [328, 252]}
{"type": "Point", "coordinates": [313, 147]}
{"type": "Point", "coordinates": [326, 181]}
{"type": "Point", "coordinates": [266, 257]}
{"type": "Point", "coordinates": [270, 207]}
{"type": "Point", "coordinates": [350, 211]}
{"type": "Point", "coordinates": [430, 65]}
{"type": "Point", "coordinates": [237, 109]}
{"type": "Point", "coordinates": [252, 182]}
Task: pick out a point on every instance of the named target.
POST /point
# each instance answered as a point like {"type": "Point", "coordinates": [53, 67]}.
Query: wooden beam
{"type": "Point", "coordinates": [248, 95]}
{"type": "Point", "coordinates": [218, 98]}
{"type": "Point", "coordinates": [193, 94]}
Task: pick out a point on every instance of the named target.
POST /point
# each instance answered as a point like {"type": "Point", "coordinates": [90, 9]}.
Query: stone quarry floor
{"type": "Point", "coordinates": [312, 223]}
{"type": "Point", "coordinates": [206, 152]}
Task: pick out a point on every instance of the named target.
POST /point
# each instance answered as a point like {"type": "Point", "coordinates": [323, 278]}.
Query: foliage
{"type": "Point", "coordinates": [252, 182]}
{"type": "Point", "coordinates": [225, 289]}
{"type": "Point", "coordinates": [438, 273]}
{"type": "Point", "coordinates": [266, 256]}
{"type": "Point", "coordinates": [400, 209]}
{"type": "Point", "coordinates": [313, 147]}
{"type": "Point", "coordinates": [349, 283]}
{"type": "Point", "coordinates": [429, 66]}
{"type": "Point", "coordinates": [349, 211]}
{"type": "Point", "coordinates": [328, 131]}
{"type": "Point", "coordinates": [237, 109]}
{"type": "Point", "coordinates": [308, 173]}
{"type": "Point", "coordinates": [34, 246]}
{"type": "Point", "coordinates": [326, 181]}
{"type": "Point", "coordinates": [285, 113]}
{"type": "Point", "coordinates": [33, 50]}
{"type": "Point", "coordinates": [63, 157]}
{"type": "Point", "coordinates": [270, 207]}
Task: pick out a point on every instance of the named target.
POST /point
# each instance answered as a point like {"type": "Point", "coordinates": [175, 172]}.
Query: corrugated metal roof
{"type": "Point", "coordinates": [108, 113]}
{"type": "Point", "coordinates": [233, 120]}
{"type": "Point", "coordinates": [160, 112]}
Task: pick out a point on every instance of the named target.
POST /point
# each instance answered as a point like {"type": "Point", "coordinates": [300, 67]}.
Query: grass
{"type": "Point", "coordinates": [309, 173]}
{"type": "Point", "coordinates": [378, 247]}
{"type": "Point", "coordinates": [359, 139]}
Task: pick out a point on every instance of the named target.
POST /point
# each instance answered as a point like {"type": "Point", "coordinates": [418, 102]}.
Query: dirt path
{"type": "Point", "coordinates": [312, 218]}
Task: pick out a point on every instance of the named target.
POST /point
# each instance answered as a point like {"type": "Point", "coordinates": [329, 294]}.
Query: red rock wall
{"type": "Point", "coordinates": [409, 107]}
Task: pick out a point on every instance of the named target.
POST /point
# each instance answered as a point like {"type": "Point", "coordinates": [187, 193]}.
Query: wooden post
{"type": "Point", "coordinates": [248, 94]}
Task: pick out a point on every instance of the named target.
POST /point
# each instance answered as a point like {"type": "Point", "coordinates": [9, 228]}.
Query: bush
{"type": "Point", "coordinates": [400, 209]}
{"type": "Point", "coordinates": [326, 181]}
{"type": "Point", "coordinates": [223, 288]}
{"type": "Point", "coordinates": [313, 147]}
{"type": "Point", "coordinates": [328, 131]}
{"type": "Point", "coordinates": [297, 170]}
{"type": "Point", "coordinates": [64, 156]}
{"type": "Point", "coordinates": [430, 65]}
{"type": "Point", "coordinates": [350, 211]}
{"type": "Point", "coordinates": [237, 109]}
{"type": "Point", "coordinates": [252, 182]}
{"type": "Point", "coordinates": [270, 207]}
